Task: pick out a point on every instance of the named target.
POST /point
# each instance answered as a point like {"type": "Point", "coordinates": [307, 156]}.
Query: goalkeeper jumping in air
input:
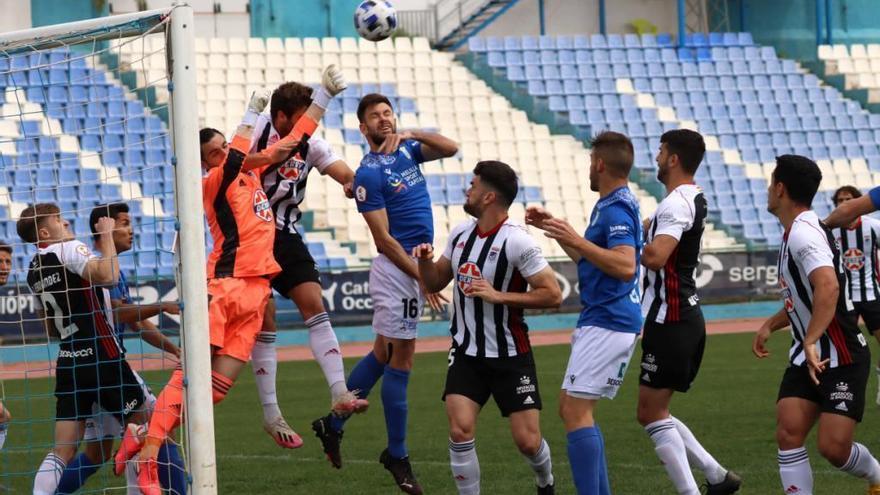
{"type": "Point", "coordinates": [242, 227]}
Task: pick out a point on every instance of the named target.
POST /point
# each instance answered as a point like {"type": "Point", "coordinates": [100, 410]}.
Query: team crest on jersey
{"type": "Point", "coordinates": [262, 208]}
{"type": "Point", "coordinates": [786, 297]}
{"type": "Point", "coordinates": [292, 170]}
{"type": "Point", "coordinates": [493, 253]}
{"type": "Point", "coordinates": [396, 181]}
{"type": "Point", "coordinates": [854, 259]}
{"type": "Point", "coordinates": [467, 273]}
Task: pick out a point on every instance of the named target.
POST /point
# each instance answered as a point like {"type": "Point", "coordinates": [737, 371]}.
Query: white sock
{"type": "Point", "coordinates": [3, 429]}
{"type": "Point", "coordinates": [325, 348]}
{"type": "Point", "coordinates": [698, 456]}
{"type": "Point", "coordinates": [264, 362]}
{"type": "Point", "coordinates": [465, 467]}
{"type": "Point", "coordinates": [862, 464]}
{"type": "Point", "coordinates": [542, 465]}
{"type": "Point", "coordinates": [672, 453]}
{"type": "Point", "coordinates": [47, 478]}
{"type": "Point", "coordinates": [131, 477]}
{"type": "Point", "coordinates": [795, 471]}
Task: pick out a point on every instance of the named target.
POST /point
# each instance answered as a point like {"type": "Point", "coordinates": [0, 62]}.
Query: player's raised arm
{"type": "Point", "coordinates": [433, 145]}
{"type": "Point", "coordinates": [103, 270]}
{"type": "Point", "coordinates": [849, 211]}
{"type": "Point", "coordinates": [618, 260]}
{"type": "Point", "coordinates": [332, 83]}
{"type": "Point", "coordinates": [435, 275]}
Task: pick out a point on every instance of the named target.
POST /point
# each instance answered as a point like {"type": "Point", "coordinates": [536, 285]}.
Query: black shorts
{"type": "Point", "coordinates": [840, 391]}
{"type": "Point", "coordinates": [109, 384]}
{"type": "Point", "coordinates": [511, 381]}
{"type": "Point", "coordinates": [297, 264]}
{"type": "Point", "coordinates": [672, 352]}
{"type": "Point", "coordinates": [870, 313]}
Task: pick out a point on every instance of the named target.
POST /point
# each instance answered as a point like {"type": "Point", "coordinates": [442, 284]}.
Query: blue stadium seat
{"type": "Point", "coordinates": [477, 44]}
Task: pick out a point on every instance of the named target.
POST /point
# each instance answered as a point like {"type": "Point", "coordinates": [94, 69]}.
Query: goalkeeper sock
{"type": "Point", "coordinates": [46, 480]}
{"type": "Point", "coordinates": [172, 472]}
{"type": "Point", "coordinates": [264, 362]}
{"type": "Point", "coordinates": [361, 379]}
{"type": "Point", "coordinates": [166, 412]}
{"type": "Point", "coordinates": [325, 348]}
{"type": "Point", "coordinates": [76, 473]}
{"type": "Point", "coordinates": [396, 410]}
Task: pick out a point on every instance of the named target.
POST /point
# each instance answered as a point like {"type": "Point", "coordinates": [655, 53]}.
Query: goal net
{"type": "Point", "coordinates": [101, 112]}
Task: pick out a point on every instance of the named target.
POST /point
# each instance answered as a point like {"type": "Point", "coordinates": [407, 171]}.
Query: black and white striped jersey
{"type": "Point", "coordinates": [505, 256]}
{"type": "Point", "coordinates": [858, 251]}
{"type": "Point", "coordinates": [669, 293]}
{"type": "Point", "coordinates": [809, 245]}
{"type": "Point", "coordinates": [80, 313]}
{"type": "Point", "coordinates": [286, 185]}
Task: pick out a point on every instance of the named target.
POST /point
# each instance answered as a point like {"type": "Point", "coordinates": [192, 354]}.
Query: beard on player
{"type": "Point", "coordinates": [377, 133]}
{"type": "Point", "coordinates": [662, 169]}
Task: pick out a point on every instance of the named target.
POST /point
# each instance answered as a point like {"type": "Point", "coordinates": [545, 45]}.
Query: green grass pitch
{"type": "Point", "coordinates": [730, 409]}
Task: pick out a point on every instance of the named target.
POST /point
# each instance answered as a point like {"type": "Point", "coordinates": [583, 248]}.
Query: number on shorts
{"type": "Point", "coordinates": [451, 356]}
{"type": "Point", "coordinates": [410, 308]}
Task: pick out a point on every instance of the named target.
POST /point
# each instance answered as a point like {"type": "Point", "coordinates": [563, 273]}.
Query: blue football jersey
{"type": "Point", "coordinates": [395, 182]}
{"type": "Point", "coordinates": [120, 292]}
{"type": "Point", "coordinates": [608, 302]}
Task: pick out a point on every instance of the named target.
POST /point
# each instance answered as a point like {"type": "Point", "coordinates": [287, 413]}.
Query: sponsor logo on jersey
{"type": "Point", "coordinates": [88, 351]}
{"type": "Point", "coordinates": [467, 273]}
{"type": "Point", "coordinates": [854, 259]}
{"type": "Point", "coordinates": [83, 250]}
{"type": "Point", "coordinates": [396, 182]}
{"type": "Point", "coordinates": [493, 253]}
{"type": "Point", "coordinates": [786, 296]}
{"type": "Point", "coordinates": [292, 170]}
{"type": "Point", "coordinates": [129, 407]}
{"type": "Point", "coordinates": [262, 208]}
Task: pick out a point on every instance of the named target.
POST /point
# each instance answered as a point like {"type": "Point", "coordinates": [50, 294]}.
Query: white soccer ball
{"type": "Point", "coordinates": [375, 20]}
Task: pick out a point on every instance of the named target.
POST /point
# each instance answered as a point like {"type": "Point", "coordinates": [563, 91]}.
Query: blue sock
{"type": "Point", "coordinates": [394, 401]}
{"type": "Point", "coordinates": [362, 378]}
{"type": "Point", "coordinates": [584, 452]}
{"type": "Point", "coordinates": [172, 472]}
{"type": "Point", "coordinates": [604, 484]}
{"type": "Point", "coordinates": [75, 474]}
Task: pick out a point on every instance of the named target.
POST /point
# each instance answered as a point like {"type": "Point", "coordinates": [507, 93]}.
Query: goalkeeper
{"type": "Point", "coordinates": [242, 227]}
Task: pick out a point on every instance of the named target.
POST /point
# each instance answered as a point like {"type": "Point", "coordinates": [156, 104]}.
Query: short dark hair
{"type": "Point", "coordinates": [688, 145]}
{"type": "Point", "coordinates": [32, 218]}
{"type": "Point", "coordinates": [801, 177]}
{"type": "Point", "coordinates": [290, 98]}
{"type": "Point", "coordinates": [206, 134]}
{"type": "Point", "coordinates": [5, 247]}
{"type": "Point", "coordinates": [500, 177]}
{"type": "Point", "coordinates": [111, 210]}
{"type": "Point", "coordinates": [616, 150]}
{"type": "Point", "coordinates": [852, 190]}
{"type": "Point", "coordinates": [369, 100]}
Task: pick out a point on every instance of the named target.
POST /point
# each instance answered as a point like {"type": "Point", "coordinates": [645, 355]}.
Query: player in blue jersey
{"type": "Point", "coordinates": [103, 428]}
{"type": "Point", "coordinates": [392, 195]}
{"type": "Point", "coordinates": [607, 257]}
{"type": "Point", "coordinates": [848, 211]}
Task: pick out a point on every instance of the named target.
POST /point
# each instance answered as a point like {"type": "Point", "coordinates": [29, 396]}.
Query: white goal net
{"type": "Point", "coordinates": [96, 113]}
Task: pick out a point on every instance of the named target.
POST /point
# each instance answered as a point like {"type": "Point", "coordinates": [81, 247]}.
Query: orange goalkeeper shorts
{"type": "Point", "coordinates": [235, 310]}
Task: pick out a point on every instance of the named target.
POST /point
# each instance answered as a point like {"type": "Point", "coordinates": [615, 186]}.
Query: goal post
{"type": "Point", "coordinates": [100, 36]}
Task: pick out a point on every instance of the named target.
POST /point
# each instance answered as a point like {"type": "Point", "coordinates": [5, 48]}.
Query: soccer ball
{"type": "Point", "coordinates": [375, 20]}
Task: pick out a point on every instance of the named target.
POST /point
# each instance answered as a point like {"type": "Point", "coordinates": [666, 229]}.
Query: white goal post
{"type": "Point", "coordinates": [177, 24]}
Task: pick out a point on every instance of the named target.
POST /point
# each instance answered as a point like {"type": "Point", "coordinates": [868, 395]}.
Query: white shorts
{"type": "Point", "coordinates": [598, 362]}
{"type": "Point", "coordinates": [103, 424]}
{"type": "Point", "coordinates": [397, 300]}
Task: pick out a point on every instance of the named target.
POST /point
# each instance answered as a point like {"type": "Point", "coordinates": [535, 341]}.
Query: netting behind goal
{"type": "Point", "coordinates": [86, 119]}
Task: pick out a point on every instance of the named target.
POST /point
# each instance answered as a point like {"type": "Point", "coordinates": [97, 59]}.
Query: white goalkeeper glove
{"type": "Point", "coordinates": [258, 102]}
{"type": "Point", "coordinates": [332, 83]}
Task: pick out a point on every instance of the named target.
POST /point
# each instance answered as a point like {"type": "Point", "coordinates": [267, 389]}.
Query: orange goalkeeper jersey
{"type": "Point", "coordinates": [241, 222]}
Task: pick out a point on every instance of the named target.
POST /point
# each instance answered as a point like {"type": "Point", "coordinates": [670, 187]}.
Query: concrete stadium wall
{"type": "Point", "coordinates": [20, 17]}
